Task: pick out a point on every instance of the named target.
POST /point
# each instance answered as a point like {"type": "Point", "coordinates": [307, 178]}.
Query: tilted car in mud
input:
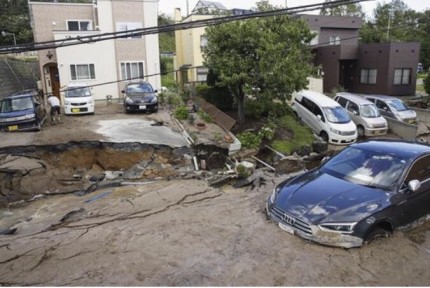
{"type": "Point", "coordinates": [367, 191]}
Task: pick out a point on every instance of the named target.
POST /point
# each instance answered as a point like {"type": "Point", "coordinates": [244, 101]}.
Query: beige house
{"type": "Point", "coordinates": [104, 65]}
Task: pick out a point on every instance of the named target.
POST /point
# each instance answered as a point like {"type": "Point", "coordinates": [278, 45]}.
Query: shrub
{"type": "Point", "coordinates": [427, 83]}
{"type": "Point", "coordinates": [218, 96]}
{"type": "Point", "coordinates": [181, 113]}
{"type": "Point", "coordinates": [249, 140]}
{"type": "Point", "coordinates": [204, 116]}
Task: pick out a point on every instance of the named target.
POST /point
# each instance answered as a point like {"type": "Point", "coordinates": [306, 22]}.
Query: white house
{"type": "Point", "coordinates": [101, 64]}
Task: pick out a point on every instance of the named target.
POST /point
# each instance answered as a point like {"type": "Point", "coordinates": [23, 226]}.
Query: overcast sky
{"type": "Point", "coordinates": [167, 6]}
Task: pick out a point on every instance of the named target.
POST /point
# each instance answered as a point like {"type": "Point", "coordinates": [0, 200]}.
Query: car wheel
{"type": "Point", "coordinates": [324, 136]}
{"type": "Point", "coordinates": [374, 234]}
{"type": "Point", "coordinates": [360, 131]}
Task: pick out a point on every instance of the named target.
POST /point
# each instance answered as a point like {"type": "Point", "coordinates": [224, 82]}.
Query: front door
{"type": "Point", "coordinates": [347, 74]}
{"type": "Point", "coordinates": [55, 80]}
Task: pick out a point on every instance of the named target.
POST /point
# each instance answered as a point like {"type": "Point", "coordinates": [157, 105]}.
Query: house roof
{"type": "Point", "coordinates": [209, 4]}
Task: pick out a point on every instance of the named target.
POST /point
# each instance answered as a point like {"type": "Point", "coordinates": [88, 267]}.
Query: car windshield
{"type": "Point", "coordinates": [16, 104]}
{"type": "Point", "coordinates": [336, 114]}
{"type": "Point", "coordinates": [366, 167]}
{"type": "Point", "coordinates": [397, 105]}
{"type": "Point", "coordinates": [139, 88]}
{"type": "Point", "coordinates": [78, 92]}
{"type": "Point", "coordinates": [370, 111]}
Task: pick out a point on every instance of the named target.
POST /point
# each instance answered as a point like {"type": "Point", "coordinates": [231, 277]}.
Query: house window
{"type": "Point", "coordinates": [79, 25]}
{"type": "Point", "coordinates": [203, 42]}
{"type": "Point", "coordinates": [368, 76]}
{"type": "Point", "coordinates": [402, 76]}
{"type": "Point", "coordinates": [202, 74]}
{"type": "Point", "coordinates": [334, 40]}
{"type": "Point", "coordinates": [82, 72]}
{"type": "Point", "coordinates": [131, 70]}
{"type": "Point", "coordinates": [120, 27]}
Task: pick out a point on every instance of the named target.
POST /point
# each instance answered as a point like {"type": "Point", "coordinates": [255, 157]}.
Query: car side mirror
{"type": "Point", "coordinates": [355, 112]}
{"type": "Point", "coordinates": [155, 91]}
{"type": "Point", "coordinates": [414, 185]}
{"type": "Point", "coordinates": [123, 91]}
{"type": "Point", "coordinates": [385, 108]}
{"type": "Point", "coordinates": [319, 117]}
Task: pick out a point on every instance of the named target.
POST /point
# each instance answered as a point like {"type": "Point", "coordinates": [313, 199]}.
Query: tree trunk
{"type": "Point", "coordinates": [240, 97]}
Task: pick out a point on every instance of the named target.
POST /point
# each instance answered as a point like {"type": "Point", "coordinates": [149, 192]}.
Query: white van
{"type": "Point", "coordinates": [78, 99]}
{"type": "Point", "coordinates": [364, 113]}
{"type": "Point", "coordinates": [325, 117]}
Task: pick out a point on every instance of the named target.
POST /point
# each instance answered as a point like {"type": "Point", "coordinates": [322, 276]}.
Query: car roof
{"type": "Point", "coordinates": [354, 97]}
{"type": "Point", "coordinates": [22, 93]}
{"type": "Point", "coordinates": [382, 97]}
{"type": "Point", "coordinates": [321, 99]}
{"type": "Point", "coordinates": [402, 148]}
{"type": "Point", "coordinates": [137, 82]}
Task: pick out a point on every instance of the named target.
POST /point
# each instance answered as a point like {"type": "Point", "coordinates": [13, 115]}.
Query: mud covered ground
{"type": "Point", "coordinates": [183, 233]}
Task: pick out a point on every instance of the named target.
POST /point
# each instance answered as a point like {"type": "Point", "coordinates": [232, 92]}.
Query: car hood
{"type": "Point", "coordinates": [16, 113]}
{"type": "Point", "coordinates": [141, 96]}
{"type": "Point", "coordinates": [319, 197]}
{"type": "Point", "coordinates": [407, 114]}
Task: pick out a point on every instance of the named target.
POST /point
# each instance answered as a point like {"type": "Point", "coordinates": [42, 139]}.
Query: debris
{"type": "Point", "coordinates": [8, 231]}
{"type": "Point", "coordinates": [124, 183]}
{"type": "Point", "coordinates": [264, 163]}
{"type": "Point", "coordinates": [75, 215]}
{"type": "Point", "coordinates": [97, 197]}
{"type": "Point", "coordinates": [158, 123]}
{"type": "Point", "coordinates": [278, 153]}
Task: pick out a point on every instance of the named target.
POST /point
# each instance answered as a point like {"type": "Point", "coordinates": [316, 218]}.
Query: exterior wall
{"type": "Point", "coordinates": [188, 50]}
{"type": "Point", "coordinates": [328, 58]}
{"type": "Point", "coordinates": [50, 22]}
{"type": "Point", "coordinates": [350, 36]}
{"type": "Point", "coordinates": [403, 55]}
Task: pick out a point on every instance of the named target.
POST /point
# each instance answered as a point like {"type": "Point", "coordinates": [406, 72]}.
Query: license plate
{"type": "Point", "coordinates": [142, 106]}
{"type": "Point", "coordinates": [287, 228]}
{"type": "Point", "coordinates": [74, 110]}
{"type": "Point", "coordinates": [13, 128]}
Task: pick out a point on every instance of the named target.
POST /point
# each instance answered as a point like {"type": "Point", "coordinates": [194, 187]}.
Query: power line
{"type": "Point", "coordinates": [168, 28]}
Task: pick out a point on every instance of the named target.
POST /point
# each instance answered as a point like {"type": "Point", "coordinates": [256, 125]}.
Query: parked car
{"type": "Point", "coordinates": [22, 111]}
{"type": "Point", "coordinates": [366, 191]}
{"type": "Point", "coordinates": [78, 99]}
{"type": "Point", "coordinates": [325, 117]}
{"type": "Point", "coordinates": [364, 113]}
{"type": "Point", "coordinates": [393, 107]}
{"type": "Point", "coordinates": [140, 96]}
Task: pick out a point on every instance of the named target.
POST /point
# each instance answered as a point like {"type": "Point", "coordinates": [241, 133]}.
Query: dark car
{"type": "Point", "coordinates": [22, 111]}
{"type": "Point", "coordinates": [366, 191]}
{"type": "Point", "coordinates": [140, 96]}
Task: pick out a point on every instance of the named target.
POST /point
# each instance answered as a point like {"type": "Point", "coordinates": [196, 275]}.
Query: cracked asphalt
{"type": "Point", "coordinates": [184, 233]}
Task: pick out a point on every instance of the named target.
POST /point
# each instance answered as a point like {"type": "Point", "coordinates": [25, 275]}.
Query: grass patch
{"type": "Point", "coordinates": [168, 80]}
{"type": "Point", "coordinates": [420, 88]}
{"type": "Point", "coordinates": [301, 135]}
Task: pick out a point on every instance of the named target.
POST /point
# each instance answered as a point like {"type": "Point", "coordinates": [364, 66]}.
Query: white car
{"type": "Point", "coordinates": [325, 117]}
{"type": "Point", "coordinates": [78, 99]}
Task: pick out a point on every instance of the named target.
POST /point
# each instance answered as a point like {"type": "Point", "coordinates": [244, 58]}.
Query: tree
{"type": "Point", "coordinates": [166, 39]}
{"type": "Point", "coordinates": [352, 9]}
{"type": "Point", "coordinates": [391, 22]}
{"type": "Point", "coordinates": [14, 18]}
{"type": "Point", "coordinates": [264, 57]}
{"type": "Point", "coordinates": [424, 36]}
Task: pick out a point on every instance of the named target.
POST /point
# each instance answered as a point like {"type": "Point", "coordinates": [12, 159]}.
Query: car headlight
{"type": "Point", "coordinates": [30, 116]}
{"type": "Point", "coordinates": [154, 100]}
{"type": "Point", "coordinates": [66, 102]}
{"type": "Point", "coordinates": [346, 228]}
{"type": "Point", "coordinates": [369, 125]}
{"type": "Point", "coordinates": [335, 131]}
{"type": "Point", "coordinates": [274, 194]}
{"type": "Point", "coordinates": [91, 101]}
{"type": "Point", "coordinates": [129, 100]}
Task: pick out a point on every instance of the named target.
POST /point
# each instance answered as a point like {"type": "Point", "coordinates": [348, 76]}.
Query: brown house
{"type": "Point", "coordinates": [378, 68]}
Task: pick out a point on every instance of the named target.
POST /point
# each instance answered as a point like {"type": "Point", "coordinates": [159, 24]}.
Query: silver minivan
{"type": "Point", "coordinates": [364, 113]}
{"type": "Point", "coordinates": [393, 107]}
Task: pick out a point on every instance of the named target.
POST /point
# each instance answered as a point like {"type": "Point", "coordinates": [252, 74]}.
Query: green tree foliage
{"type": "Point", "coordinates": [267, 57]}
{"type": "Point", "coordinates": [396, 22]}
{"type": "Point", "coordinates": [427, 83]}
{"type": "Point", "coordinates": [166, 39]}
{"type": "Point", "coordinates": [352, 9]}
{"type": "Point", "coordinates": [14, 18]}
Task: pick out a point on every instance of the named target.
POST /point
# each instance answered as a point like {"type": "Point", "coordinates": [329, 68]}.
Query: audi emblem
{"type": "Point", "coordinates": [288, 219]}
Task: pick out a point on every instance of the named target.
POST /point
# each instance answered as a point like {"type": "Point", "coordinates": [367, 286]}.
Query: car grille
{"type": "Point", "coordinates": [292, 221]}
{"type": "Point", "coordinates": [379, 126]}
{"type": "Point", "coordinates": [347, 133]}
{"type": "Point", "coordinates": [79, 104]}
